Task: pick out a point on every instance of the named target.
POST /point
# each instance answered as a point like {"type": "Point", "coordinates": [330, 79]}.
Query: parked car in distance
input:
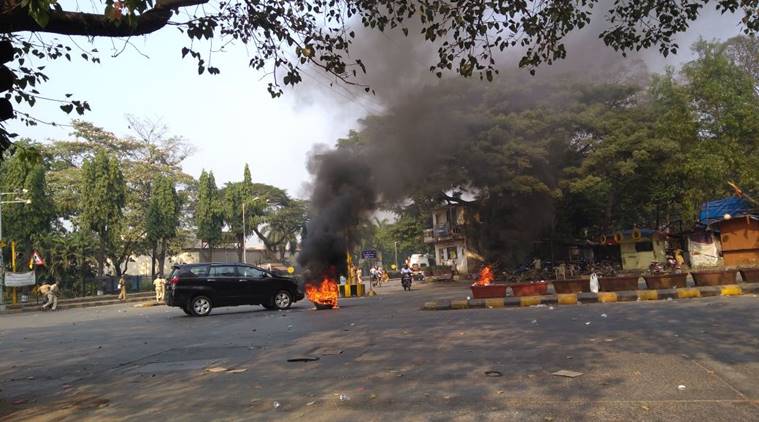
{"type": "Point", "coordinates": [198, 288]}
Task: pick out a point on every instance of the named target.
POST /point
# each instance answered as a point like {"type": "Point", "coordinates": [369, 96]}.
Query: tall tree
{"type": "Point", "coordinates": [23, 222]}
{"type": "Point", "coordinates": [208, 212]}
{"type": "Point", "coordinates": [102, 202]}
{"type": "Point", "coordinates": [162, 217]}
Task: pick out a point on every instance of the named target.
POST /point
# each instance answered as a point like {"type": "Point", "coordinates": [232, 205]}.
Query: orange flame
{"type": "Point", "coordinates": [324, 294]}
{"type": "Point", "coordinates": [486, 277]}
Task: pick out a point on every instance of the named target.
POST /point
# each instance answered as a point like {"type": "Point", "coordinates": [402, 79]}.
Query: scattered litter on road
{"type": "Point", "coordinates": [344, 397]}
{"type": "Point", "coordinates": [550, 308]}
{"type": "Point", "coordinates": [290, 326]}
{"type": "Point", "coordinates": [541, 305]}
{"type": "Point", "coordinates": [216, 369]}
{"type": "Point", "coordinates": [311, 403]}
{"type": "Point", "coordinates": [534, 321]}
{"type": "Point", "coordinates": [609, 339]}
{"type": "Point", "coordinates": [669, 299]}
{"type": "Point", "coordinates": [587, 323]}
{"type": "Point", "coordinates": [499, 392]}
{"type": "Point", "coordinates": [237, 371]}
{"type": "Point", "coordinates": [604, 315]}
{"type": "Point", "coordinates": [493, 373]}
{"type": "Point", "coordinates": [276, 404]}
{"type": "Point", "coordinates": [304, 359]}
{"type": "Point", "coordinates": [568, 374]}
{"type": "Point", "coordinates": [644, 407]}
{"type": "Point", "coordinates": [570, 357]}
{"type": "Point", "coordinates": [681, 387]}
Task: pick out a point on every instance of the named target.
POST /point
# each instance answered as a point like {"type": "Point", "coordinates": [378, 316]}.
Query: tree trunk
{"type": "Point", "coordinates": [240, 247]}
{"type": "Point", "coordinates": [101, 258]}
{"type": "Point", "coordinates": [162, 258]}
{"type": "Point", "coordinates": [152, 262]}
{"type": "Point", "coordinates": [210, 253]}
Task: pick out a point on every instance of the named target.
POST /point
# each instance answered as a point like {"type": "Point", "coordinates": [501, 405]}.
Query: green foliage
{"type": "Point", "coordinates": [163, 212]}
{"type": "Point", "coordinates": [208, 211]}
{"type": "Point", "coordinates": [21, 222]}
{"type": "Point", "coordinates": [103, 197]}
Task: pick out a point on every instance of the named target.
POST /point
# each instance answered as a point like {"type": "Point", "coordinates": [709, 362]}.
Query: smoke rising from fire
{"type": "Point", "coordinates": [422, 138]}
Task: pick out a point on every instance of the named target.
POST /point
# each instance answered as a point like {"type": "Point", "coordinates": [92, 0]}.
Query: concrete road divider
{"type": "Point", "coordinates": [602, 297]}
{"type": "Point", "coordinates": [648, 295]}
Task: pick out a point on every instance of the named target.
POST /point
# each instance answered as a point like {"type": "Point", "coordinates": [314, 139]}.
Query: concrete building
{"type": "Point", "coordinates": [449, 239]}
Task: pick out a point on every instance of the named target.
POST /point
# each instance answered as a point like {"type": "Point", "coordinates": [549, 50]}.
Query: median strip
{"type": "Point", "coordinates": [602, 297]}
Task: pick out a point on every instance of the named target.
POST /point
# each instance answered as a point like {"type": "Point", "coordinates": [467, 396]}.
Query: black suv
{"type": "Point", "coordinates": [197, 288]}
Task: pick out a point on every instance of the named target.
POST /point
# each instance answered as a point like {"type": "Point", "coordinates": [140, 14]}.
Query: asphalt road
{"type": "Point", "coordinates": [381, 358]}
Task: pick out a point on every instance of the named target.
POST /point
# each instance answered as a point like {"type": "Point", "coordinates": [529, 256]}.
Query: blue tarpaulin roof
{"type": "Point", "coordinates": [715, 210]}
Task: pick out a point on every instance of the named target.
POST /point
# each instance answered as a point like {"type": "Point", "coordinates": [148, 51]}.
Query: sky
{"type": "Point", "coordinates": [230, 118]}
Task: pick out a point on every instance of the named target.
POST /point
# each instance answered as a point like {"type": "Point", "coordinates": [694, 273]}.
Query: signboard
{"type": "Point", "coordinates": [20, 279]}
{"type": "Point", "coordinates": [369, 254]}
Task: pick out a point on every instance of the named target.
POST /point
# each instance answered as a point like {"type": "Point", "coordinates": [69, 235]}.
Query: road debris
{"type": "Point", "coordinates": [534, 321]}
{"type": "Point", "coordinates": [344, 397]}
{"type": "Point", "coordinates": [587, 323]}
{"type": "Point", "coordinates": [237, 371]}
{"type": "Point", "coordinates": [566, 373]}
{"type": "Point", "coordinates": [304, 359]}
{"type": "Point", "coordinates": [216, 369]}
{"type": "Point", "coordinates": [604, 315]}
{"type": "Point", "coordinates": [681, 387]}
{"type": "Point", "coordinates": [276, 404]}
{"type": "Point", "coordinates": [493, 373]}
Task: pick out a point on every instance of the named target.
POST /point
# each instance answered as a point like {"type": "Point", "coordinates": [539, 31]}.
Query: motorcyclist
{"type": "Point", "coordinates": [406, 277]}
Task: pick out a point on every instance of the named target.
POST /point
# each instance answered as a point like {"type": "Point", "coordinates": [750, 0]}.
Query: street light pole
{"type": "Point", "coordinates": [2, 264]}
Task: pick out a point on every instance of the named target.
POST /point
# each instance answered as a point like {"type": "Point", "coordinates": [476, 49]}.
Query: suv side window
{"type": "Point", "coordinates": [250, 272]}
{"type": "Point", "coordinates": [223, 271]}
{"type": "Point", "coordinates": [194, 271]}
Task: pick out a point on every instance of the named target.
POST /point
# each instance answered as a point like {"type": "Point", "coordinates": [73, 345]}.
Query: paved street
{"type": "Point", "coordinates": [381, 358]}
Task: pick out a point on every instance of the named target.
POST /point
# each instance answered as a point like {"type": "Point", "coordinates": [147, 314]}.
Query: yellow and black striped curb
{"type": "Point", "coordinates": [600, 297]}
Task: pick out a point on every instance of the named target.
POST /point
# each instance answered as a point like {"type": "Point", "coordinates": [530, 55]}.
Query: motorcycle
{"type": "Point", "coordinates": [406, 281]}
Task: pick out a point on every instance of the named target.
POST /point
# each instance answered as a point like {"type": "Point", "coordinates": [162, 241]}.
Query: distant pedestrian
{"type": "Point", "coordinates": [122, 289]}
{"type": "Point", "coordinates": [159, 284]}
{"type": "Point", "coordinates": [359, 273]}
{"type": "Point", "coordinates": [52, 297]}
{"type": "Point", "coordinates": [43, 290]}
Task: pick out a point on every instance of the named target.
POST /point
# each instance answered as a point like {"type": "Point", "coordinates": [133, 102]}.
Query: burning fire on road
{"type": "Point", "coordinates": [486, 277]}
{"type": "Point", "coordinates": [323, 294]}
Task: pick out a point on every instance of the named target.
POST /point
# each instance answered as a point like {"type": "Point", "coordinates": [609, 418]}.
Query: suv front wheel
{"type": "Point", "coordinates": [200, 306]}
{"type": "Point", "coordinates": [282, 300]}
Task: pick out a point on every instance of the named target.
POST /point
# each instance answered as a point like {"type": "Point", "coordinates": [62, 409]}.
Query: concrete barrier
{"type": "Point", "coordinates": [602, 297]}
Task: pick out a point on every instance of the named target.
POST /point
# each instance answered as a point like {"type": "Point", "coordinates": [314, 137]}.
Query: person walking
{"type": "Point", "coordinates": [359, 274]}
{"type": "Point", "coordinates": [122, 289]}
{"type": "Point", "coordinates": [52, 297]}
{"type": "Point", "coordinates": [159, 284]}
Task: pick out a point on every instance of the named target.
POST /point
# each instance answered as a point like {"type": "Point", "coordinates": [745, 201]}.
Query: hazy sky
{"type": "Point", "coordinates": [230, 118]}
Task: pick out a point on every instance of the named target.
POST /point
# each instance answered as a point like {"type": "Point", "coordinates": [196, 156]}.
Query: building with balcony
{"type": "Point", "coordinates": [448, 236]}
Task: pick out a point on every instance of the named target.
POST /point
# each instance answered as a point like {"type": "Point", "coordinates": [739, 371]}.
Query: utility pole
{"type": "Point", "coordinates": [244, 252]}
{"type": "Point", "coordinates": [396, 254]}
{"type": "Point", "coordinates": [2, 264]}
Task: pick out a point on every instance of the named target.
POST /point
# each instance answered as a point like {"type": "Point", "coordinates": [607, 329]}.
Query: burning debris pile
{"type": "Point", "coordinates": [486, 277]}
{"type": "Point", "coordinates": [324, 294]}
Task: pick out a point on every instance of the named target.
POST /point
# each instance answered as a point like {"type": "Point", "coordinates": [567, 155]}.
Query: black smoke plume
{"type": "Point", "coordinates": [425, 134]}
